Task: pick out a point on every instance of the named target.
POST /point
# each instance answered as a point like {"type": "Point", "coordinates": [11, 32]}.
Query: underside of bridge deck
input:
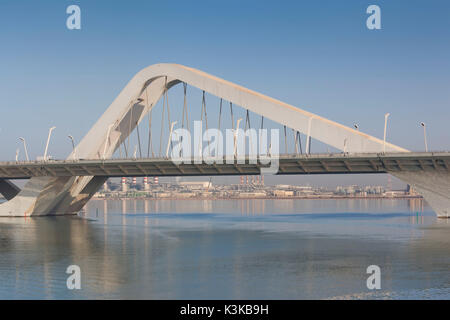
{"type": "Point", "coordinates": [286, 164]}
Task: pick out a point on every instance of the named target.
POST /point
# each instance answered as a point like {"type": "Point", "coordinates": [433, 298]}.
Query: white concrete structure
{"type": "Point", "coordinates": [196, 185]}
{"type": "Point", "coordinates": [64, 195]}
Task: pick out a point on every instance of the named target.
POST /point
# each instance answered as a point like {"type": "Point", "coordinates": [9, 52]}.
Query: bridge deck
{"type": "Point", "coordinates": [288, 164]}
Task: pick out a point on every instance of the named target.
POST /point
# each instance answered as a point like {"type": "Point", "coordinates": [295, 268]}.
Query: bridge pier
{"type": "Point", "coordinates": [434, 186]}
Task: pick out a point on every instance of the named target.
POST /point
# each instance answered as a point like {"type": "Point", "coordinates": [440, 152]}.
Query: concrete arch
{"type": "Point", "coordinates": [148, 85]}
{"type": "Point", "coordinates": [43, 196]}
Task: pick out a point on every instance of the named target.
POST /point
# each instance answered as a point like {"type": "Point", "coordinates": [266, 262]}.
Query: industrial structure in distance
{"type": "Point", "coordinates": [249, 187]}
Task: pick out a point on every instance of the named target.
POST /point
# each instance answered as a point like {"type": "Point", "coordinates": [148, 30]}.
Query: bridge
{"type": "Point", "coordinates": [367, 163]}
{"type": "Point", "coordinates": [65, 186]}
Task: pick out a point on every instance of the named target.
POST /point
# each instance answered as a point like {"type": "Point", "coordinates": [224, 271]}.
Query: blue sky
{"type": "Point", "coordinates": [317, 55]}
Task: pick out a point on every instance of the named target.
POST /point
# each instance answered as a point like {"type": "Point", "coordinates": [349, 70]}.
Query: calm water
{"type": "Point", "coordinates": [230, 249]}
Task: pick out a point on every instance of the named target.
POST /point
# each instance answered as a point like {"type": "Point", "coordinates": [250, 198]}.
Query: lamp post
{"type": "Point", "coordinates": [135, 152]}
{"type": "Point", "coordinates": [425, 135]}
{"type": "Point", "coordinates": [308, 137]}
{"type": "Point", "coordinates": [386, 116]}
{"type": "Point", "coordinates": [48, 141]}
{"type": "Point", "coordinates": [170, 138]}
{"type": "Point", "coordinates": [25, 147]}
{"type": "Point", "coordinates": [356, 126]}
{"type": "Point", "coordinates": [73, 146]}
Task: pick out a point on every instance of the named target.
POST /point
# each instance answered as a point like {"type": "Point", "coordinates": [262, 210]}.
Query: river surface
{"type": "Point", "coordinates": [229, 249]}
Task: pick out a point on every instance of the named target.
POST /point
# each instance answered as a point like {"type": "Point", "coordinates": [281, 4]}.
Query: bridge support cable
{"type": "Point", "coordinates": [218, 126]}
{"type": "Point", "coordinates": [184, 114]}
{"type": "Point", "coordinates": [206, 121]}
{"type": "Point", "coordinates": [162, 118]}
{"type": "Point", "coordinates": [248, 126]}
{"type": "Point", "coordinates": [260, 135]}
{"type": "Point", "coordinates": [139, 139]}
{"type": "Point", "coordinates": [149, 144]}
{"type": "Point", "coordinates": [298, 139]}
{"type": "Point", "coordinates": [309, 145]}
{"type": "Point", "coordinates": [295, 141]}
{"type": "Point", "coordinates": [220, 114]}
{"type": "Point", "coordinates": [129, 126]}
{"type": "Point", "coordinates": [308, 137]}
{"type": "Point", "coordinates": [170, 125]}
{"type": "Point", "coordinates": [162, 124]}
{"type": "Point", "coordinates": [185, 110]}
{"type": "Point", "coordinates": [125, 149]}
{"type": "Point", "coordinates": [232, 128]}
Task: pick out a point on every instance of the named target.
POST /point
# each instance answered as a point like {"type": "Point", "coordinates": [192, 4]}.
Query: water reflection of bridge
{"type": "Point", "coordinates": [255, 207]}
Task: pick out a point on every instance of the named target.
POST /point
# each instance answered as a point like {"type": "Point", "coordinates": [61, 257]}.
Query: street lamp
{"type": "Point", "coordinates": [25, 147]}
{"type": "Point", "coordinates": [425, 135]}
{"type": "Point", "coordinates": [386, 116]}
{"type": "Point", "coordinates": [73, 146]}
{"type": "Point", "coordinates": [135, 152]}
{"type": "Point", "coordinates": [356, 126]}
{"type": "Point", "coordinates": [170, 138]}
{"type": "Point", "coordinates": [48, 141]}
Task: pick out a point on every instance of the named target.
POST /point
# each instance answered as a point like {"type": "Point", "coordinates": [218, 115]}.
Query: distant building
{"type": "Point", "coordinates": [283, 186]}
{"type": "Point", "coordinates": [124, 185]}
{"type": "Point", "coordinates": [410, 190]}
{"type": "Point", "coordinates": [394, 193]}
{"type": "Point", "coordinates": [283, 193]}
{"type": "Point", "coordinates": [196, 185]}
{"type": "Point", "coordinates": [251, 194]}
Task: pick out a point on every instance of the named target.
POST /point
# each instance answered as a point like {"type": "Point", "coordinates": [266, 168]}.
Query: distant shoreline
{"type": "Point", "coordinates": [262, 198]}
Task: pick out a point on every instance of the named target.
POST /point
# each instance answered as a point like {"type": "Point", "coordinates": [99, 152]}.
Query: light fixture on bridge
{"type": "Point", "coordinates": [48, 141]}
{"type": "Point", "coordinates": [73, 146]}
{"type": "Point", "coordinates": [356, 126]}
{"type": "Point", "coordinates": [170, 137]}
{"type": "Point", "coordinates": [25, 147]}
{"type": "Point", "coordinates": [425, 135]}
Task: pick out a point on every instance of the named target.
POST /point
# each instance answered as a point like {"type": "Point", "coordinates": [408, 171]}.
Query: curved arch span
{"type": "Point", "coordinates": [153, 80]}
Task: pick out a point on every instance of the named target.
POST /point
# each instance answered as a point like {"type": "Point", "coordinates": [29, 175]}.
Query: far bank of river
{"type": "Point", "coordinates": [318, 197]}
